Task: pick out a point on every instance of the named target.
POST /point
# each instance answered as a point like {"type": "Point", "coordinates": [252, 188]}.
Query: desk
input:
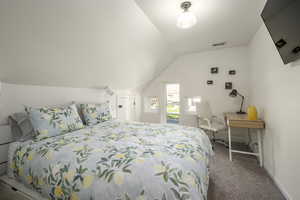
{"type": "Point", "coordinates": [234, 120]}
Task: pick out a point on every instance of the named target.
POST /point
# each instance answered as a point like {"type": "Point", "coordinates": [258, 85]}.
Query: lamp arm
{"type": "Point", "coordinates": [240, 95]}
{"type": "Point", "coordinates": [243, 98]}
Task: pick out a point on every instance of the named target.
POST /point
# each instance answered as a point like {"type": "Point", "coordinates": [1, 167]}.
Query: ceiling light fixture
{"type": "Point", "coordinates": [186, 19]}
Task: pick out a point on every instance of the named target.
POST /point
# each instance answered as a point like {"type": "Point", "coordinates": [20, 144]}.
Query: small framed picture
{"type": "Point", "coordinates": [228, 85]}
{"type": "Point", "coordinates": [232, 72]}
{"type": "Point", "coordinates": [214, 70]}
{"type": "Point", "coordinates": [210, 82]}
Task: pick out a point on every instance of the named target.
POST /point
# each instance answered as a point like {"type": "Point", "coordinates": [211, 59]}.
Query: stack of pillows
{"type": "Point", "coordinates": [45, 122]}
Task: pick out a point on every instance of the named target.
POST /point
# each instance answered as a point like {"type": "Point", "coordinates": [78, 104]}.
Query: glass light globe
{"type": "Point", "coordinates": [186, 20]}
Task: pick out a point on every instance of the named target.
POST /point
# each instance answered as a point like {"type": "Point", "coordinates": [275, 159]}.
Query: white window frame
{"type": "Point", "coordinates": [191, 104]}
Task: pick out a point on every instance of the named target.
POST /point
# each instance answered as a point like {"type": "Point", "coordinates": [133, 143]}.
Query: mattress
{"type": "Point", "coordinates": [116, 160]}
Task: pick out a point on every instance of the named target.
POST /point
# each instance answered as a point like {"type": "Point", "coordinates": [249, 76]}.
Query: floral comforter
{"type": "Point", "coordinates": [118, 160]}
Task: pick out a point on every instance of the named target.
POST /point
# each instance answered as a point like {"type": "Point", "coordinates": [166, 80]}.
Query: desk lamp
{"type": "Point", "coordinates": [235, 93]}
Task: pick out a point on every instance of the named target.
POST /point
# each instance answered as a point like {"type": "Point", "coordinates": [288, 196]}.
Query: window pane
{"type": "Point", "coordinates": [192, 104]}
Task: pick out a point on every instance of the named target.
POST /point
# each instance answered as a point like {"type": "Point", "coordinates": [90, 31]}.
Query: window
{"type": "Point", "coordinates": [192, 104]}
{"type": "Point", "coordinates": [151, 104]}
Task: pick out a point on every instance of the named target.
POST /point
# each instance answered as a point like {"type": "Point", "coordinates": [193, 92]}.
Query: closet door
{"type": "Point", "coordinates": [123, 107]}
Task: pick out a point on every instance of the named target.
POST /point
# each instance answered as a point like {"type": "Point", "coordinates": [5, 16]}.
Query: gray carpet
{"type": "Point", "coordinates": [241, 179]}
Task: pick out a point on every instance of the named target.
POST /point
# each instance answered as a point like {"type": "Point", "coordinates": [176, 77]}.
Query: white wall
{"type": "Point", "coordinates": [193, 70]}
{"type": "Point", "coordinates": [13, 98]}
{"type": "Point", "coordinates": [76, 43]}
{"type": "Point", "coordinates": [275, 91]}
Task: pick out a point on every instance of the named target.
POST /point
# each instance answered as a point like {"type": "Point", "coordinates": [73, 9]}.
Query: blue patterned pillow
{"type": "Point", "coordinates": [52, 121]}
{"type": "Point", "coordinates": [95, 113]}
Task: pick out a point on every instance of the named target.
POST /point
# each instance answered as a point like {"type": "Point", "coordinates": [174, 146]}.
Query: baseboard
{"type": "Point", "coordinates": [279, 186]}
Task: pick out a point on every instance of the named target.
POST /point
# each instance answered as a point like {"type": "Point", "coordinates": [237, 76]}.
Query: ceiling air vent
{"type": "Point", "coordinates": [219, 44]}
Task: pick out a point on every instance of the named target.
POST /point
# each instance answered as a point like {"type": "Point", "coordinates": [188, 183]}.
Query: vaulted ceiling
{"type": "Point", "coordinates": [123, 44]}
{"type": "Point", "coordinates": [231, 21]}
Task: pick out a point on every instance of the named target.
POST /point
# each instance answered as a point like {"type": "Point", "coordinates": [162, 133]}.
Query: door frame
{"type": "Point", "coordinates": [164, 103]}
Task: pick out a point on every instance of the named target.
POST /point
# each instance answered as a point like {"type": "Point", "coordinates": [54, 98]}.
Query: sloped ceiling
{"type": "Point", "coordinates": [79, 43]}
{"type": "Point", "coordinates": [233, 21]}
{"type": "Point", "coordinates": [120, 43]}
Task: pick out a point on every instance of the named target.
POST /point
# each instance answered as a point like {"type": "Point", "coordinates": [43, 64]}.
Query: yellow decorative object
{"type": "Point", "coordinates": [58, 191]}
{"type": "Point", "coordinates": [180, 146]}
{"type": "Point", "coordinates": [30, 156]}
{"type": "Point", "coordinates": [120, 156]}
{"type": "Point", "coordinates": [119, 178]}
{"type": "Point", "coordinates": [87, 181]}
{"type": "Point", "coordinates": [74, 196]}
{"type": "Point", "coordinates": [69, 175]}
{"type": "Point", "coordinates": [252, 113]}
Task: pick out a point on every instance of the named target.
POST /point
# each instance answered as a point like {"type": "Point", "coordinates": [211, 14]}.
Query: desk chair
{"type": "Point", "coordinates": [208, 122]}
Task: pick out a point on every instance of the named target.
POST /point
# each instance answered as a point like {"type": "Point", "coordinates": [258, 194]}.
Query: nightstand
{"type": "Point", "coordinates": [5, 139]}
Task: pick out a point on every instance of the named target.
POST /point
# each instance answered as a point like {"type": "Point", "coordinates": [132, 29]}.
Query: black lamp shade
{"type": "Point", "coordinates": [233, 93]}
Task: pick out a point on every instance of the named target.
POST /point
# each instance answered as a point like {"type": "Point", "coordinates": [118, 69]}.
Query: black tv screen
{"type": "Point", "coordinates": [282, 18]}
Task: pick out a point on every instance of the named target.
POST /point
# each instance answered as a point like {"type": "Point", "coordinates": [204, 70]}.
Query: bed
{"type": "Point", "coordinates": [116, 160]}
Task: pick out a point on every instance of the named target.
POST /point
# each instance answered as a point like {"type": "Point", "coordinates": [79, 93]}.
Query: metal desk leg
{"type": "Point", "coordinates": [259, 140]}
{"type": "Point", "coordinates": [229, 143]}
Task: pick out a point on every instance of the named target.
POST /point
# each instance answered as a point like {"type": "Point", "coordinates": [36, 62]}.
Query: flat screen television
{"type": "Point", "coordinates": [282, 19]}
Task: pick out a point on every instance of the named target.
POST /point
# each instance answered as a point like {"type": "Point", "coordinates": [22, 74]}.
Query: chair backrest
{"type": "Point", "coordinates": [204, 110]}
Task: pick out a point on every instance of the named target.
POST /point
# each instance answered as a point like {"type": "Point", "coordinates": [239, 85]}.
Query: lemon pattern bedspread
{"type": "Point", "coordinates": [118, 160]}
